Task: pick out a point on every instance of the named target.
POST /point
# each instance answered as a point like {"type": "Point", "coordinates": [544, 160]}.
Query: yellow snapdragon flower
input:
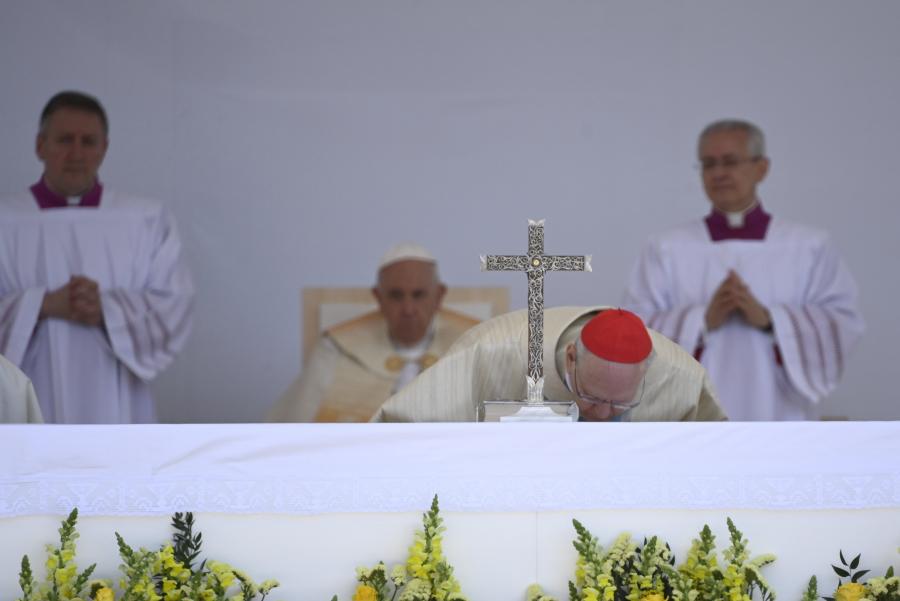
{"type": "Point", "coordinates": [418, 561]}
{"type": "Point", "coordinates": [364, 592]}
{"type": "Point", "coordinates": [63, 576]}
{"type": "Point", "coordinates": [222, 572]}
{"type": "Point", "coordinates": [580, 571]}
{"type": "Point", "coordinates": [852, 591]}
{"type": "Point", "coordinates": [590, 594]}
{"type": "Point", "coordinates": [104, 594]}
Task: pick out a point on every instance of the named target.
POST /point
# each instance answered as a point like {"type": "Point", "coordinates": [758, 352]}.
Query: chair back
{"type": "Point", "coordinates": [326, 307]}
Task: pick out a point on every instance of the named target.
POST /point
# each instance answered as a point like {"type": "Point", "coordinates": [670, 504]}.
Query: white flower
{"type": "Point", "coordinates": [267, 585]}
{"type": "Point", "coordinates": [398, 575]}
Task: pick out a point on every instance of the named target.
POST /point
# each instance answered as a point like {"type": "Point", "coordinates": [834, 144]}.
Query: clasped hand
{"type": "Point", "coordinates": [78, 301]}
{"type": "Point", "coordinates": [733, 295]}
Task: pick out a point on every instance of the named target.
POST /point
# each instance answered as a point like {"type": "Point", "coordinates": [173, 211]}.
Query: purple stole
{"type": "Point", "coordinates": [756, 222]}
{"type": "Point", "coordinates": [48, 199]}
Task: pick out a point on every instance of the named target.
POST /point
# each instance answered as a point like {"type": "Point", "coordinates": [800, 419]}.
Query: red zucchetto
{"type": "Point", "coordinates": [617, 335]}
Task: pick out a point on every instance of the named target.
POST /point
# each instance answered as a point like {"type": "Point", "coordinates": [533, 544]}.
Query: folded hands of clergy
{"type": "Point", "coordinates": [734, 296]}
{"type": "Point", "coordinates": [78, 301]}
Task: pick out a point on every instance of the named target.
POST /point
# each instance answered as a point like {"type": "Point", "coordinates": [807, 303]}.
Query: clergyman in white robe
{"type": "Point", "coordinates": [18, 402]}
{"type": "Point", "coordinates": [794, 271]}
{"type": "Point", "coordinates": [131, 248]}
{"type": "Point", "coordinates": [490, 362]}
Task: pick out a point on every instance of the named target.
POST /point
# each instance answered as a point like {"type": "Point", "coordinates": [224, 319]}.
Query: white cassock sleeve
{"type": "Point", "coordinates": [649, 296]}
{"type": "Point", "coordinates": [147, 326]}
{"type": "Point", "coordinates": [815, 336]}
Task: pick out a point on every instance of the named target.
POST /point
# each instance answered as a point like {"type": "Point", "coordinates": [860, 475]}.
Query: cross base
{"type": "Point", "coordinates": [522, 411]}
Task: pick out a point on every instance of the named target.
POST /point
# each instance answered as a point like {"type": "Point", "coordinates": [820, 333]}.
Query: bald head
{"type": "Point", "coordinates": [603, 389]}
{"type": "Point", "coordinates": [605, 366]}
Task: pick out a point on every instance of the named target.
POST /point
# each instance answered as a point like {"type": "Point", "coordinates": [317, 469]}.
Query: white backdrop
{"type": "Point", "coordinates": [295, 140]}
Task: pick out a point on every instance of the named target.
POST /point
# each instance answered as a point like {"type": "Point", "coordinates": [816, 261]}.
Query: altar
{"type": "Point", "coordinates": [308, 503]}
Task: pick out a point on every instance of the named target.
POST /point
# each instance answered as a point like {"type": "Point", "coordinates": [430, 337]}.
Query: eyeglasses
{"type": "Point", "coordinates": [727, 162]}
{"type": "Point", "coordinates": [618, 405]}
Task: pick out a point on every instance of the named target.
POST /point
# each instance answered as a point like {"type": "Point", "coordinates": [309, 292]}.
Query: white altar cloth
{"type": "Point", "coordinates": [336, 496]}
{"type": "Point", "coordinates": [312, 469]}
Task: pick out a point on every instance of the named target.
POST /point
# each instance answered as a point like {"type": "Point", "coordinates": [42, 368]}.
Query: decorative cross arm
{"type": "Point", "coordinates": [535, 264]}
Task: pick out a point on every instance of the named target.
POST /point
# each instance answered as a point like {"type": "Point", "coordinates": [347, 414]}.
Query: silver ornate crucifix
{"type": "Point", "coordinates": [535, 264]}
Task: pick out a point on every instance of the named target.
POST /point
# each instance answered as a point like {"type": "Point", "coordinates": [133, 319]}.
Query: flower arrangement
{"type": "Point", "coordinates": [601, 574]}
{"type": "Point", "coordinates": [63, 582]}
{"type": "Point", "coordinates": [653, 572]}
{"type": "Point", "coordinates": [625, 571]}
{"type": "Point", "coordinates": [736, 580]}
{"type": "Point", "coordinates": [168, 574]}
{"type": "Point", "coordinates": [629, 572]}
{"type": "Point", "coordinates": [426, 575]}
{"type": "Point", "coordinates": [885, 588]}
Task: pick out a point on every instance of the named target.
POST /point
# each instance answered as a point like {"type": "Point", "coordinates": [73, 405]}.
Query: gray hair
{"type": "Point", "coordinates": [756, 141]}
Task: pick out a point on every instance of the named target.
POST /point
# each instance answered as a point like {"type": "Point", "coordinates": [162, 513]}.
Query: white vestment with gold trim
{"type": "Point", "coordinates": [490, 363]}
{"type": "Point", "coordinates": [354, 367]}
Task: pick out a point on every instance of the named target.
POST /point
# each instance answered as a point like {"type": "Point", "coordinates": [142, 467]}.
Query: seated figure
{"type": "Point", "coordinates": [359, 363]}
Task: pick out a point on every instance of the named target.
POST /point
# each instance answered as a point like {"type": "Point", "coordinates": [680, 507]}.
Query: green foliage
{"type": "Point", "coordinates": [26, 579]}
{"type": "Point", "coordinates": [812, 590]}
{"type": "Point", "coordinates": [184, 542]}
{"type": "Point", "coordinates": [886, 588]}
{"type": "Point", "coordinates": [849, 569]}
{"type": "Point", "coordinates": [125, 552]}
{"type": "Point", "coordinates": [586, 544]}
